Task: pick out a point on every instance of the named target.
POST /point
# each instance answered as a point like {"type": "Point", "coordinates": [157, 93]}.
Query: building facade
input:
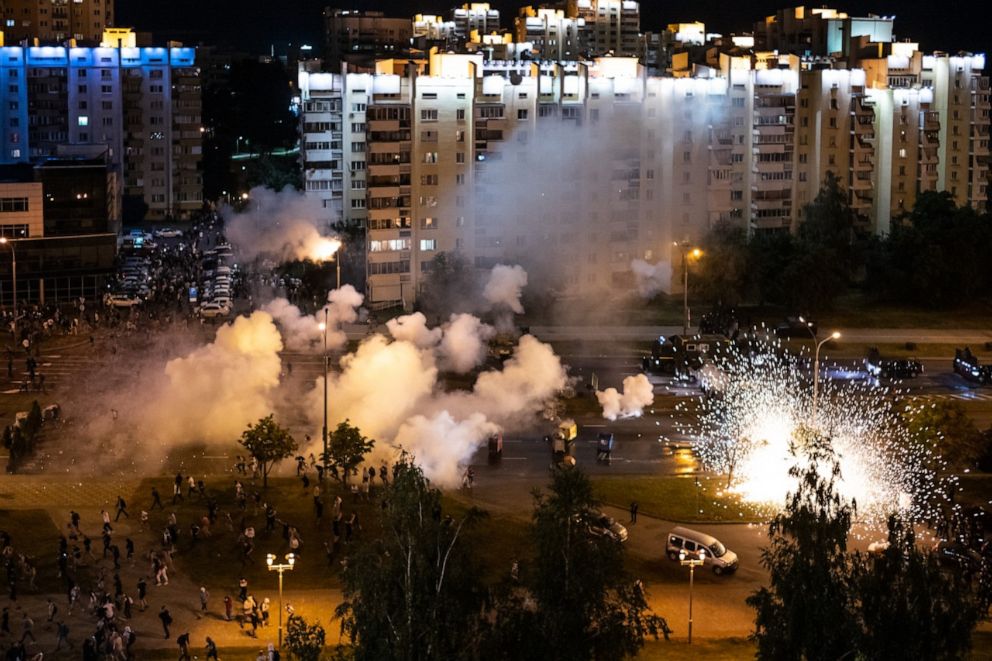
{"type": "Point", "coordinates": [55, 21]}
{"type": "Point", "coordinates": [141, 105]}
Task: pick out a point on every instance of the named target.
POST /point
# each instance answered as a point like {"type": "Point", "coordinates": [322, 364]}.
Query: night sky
{"type": "Point", "coordinates": [254, 24]}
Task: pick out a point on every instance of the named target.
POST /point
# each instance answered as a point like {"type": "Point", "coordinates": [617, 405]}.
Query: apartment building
{"type": "Point", "coordinates": [575, 168]}
{"type": "Point", "coordinates": [55, 21]}
{"type": "Point", "coordinates": [553, 35]}
{"type": "Point", "coordinates": [613, 26]}
{"type": "Point", "coordinates": [819, 31]}
{"type": "Point", "coordinates": [358, 37]}
{"type": "Point", "coordinates": [140, 105]}
{"type": "Point", "coordinates": [474, 17]}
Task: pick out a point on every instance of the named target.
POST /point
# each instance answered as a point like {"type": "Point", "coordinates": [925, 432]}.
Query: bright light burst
{"type": "Point", "coordinates": [758, 406]}
{"type": "Point", "coordinates": [322, 249]}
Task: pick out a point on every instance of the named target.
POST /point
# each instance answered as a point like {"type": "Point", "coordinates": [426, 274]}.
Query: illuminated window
{"type": "Point", "coordinates": [428, 245]}
{"type": "Point", "coordinates": [389, 245]}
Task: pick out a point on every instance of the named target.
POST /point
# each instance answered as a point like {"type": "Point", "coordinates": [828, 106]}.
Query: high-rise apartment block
{"type": "Point", "coordinates": [359, 37]}
{"type": "Point", "coordinates": [141, 106]}
{"type": "Point", "coordinates": [474, 17]}
{"type": "Point", "coordinates": [593, 163]}
{"type": "Point", "coordinates": [55, 21]}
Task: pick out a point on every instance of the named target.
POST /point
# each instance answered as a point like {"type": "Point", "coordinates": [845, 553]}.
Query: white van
{"type": "Point", "coordinates": [718, 557]}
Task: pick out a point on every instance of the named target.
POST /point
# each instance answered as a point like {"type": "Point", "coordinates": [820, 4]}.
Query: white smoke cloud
{"type": "Point", "coordinates": [390, 390]}
{"type": "Point", "coordinates": [464, 343]}
{"type": "Point", "coordinates": [302, 331]}
{"type": "Point", "coordinates": [413, 328]}
{"type": "Point", "coordinates": [637, 393]}
{"type": "Point", "coordinates": [442, 445]}
{"type": "Point", "coordinates": [213, 393]}
{"type": "Point", "coordinates": [286, 224]}
{"type": "Point", "coordinates": [505, 287]}
{"type": "Point", "coordinates": [652, 279]}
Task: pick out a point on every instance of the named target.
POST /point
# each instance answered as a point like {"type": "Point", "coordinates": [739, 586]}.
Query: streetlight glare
{"type": "Point", "coordinates": [835, 335]}
{"type": "Point", "coordinates": [322, 327]}
{"type": "Point", "coordinates": [697, 253]}
{"type": "Point", "coordinates": [3, 239]}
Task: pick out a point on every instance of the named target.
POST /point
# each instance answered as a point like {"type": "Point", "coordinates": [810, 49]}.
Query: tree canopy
{"type": "Point", "coordinates": [269, 443]}
{"type": "Point", "coordinates": [346, 450]}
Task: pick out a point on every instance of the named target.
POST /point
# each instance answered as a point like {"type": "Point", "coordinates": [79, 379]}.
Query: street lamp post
{"type": "Point", "coordinates": [270, 560]}
{"type": "Point", "coordinates": [13, 257]}
{"type": "Point", "coordinates": [691, 563]}
{"type": "Point", "coordinates": [323, 327]}
{"type": "Point", "coordinates": [686, 252]}
{"type": "Point", "coordinates": [816, 369]}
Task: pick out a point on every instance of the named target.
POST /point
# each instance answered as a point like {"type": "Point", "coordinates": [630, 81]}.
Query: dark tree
{"type": "Point", "coordinates": [807, 610]}
{"type": "Point", "coordinates": [911, 607]}
{"type": "Point", "coordinates": [346, 449]}
{"type": "Point", "coordinates": [451, 287]}
{"type": "Point", "coordinates": [269, 443]}
{"type": "Point", "coordinates": [411, 593]}
{"type": "Point", "coordinates": [587, 606]}
{"type": "Point", "coordinates": [724, 276]}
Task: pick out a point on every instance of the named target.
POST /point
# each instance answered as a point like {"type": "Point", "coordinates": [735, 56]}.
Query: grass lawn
{"type": "Point", "coordinates": [217, 562]}
{"type": "Point", "coordinates": [675, 498]}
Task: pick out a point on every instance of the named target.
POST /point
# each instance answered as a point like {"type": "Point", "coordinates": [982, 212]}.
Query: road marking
{"type": "Point", "coordinates": [594, 426]}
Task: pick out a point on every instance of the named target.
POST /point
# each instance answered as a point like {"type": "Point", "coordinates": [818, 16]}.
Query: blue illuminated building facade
{"type": "Point", "coordinates": [139, 106]}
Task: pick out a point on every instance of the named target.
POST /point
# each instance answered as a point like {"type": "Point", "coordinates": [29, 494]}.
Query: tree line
{"type": "Point", "coordinates": [934, 256]}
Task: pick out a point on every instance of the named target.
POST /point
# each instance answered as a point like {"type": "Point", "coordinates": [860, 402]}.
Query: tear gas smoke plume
{"type": "Point", "coordinates": [637, 394]}
{"type": "Point", "coordinates": [149, 401]}
{"type": "Point", "coordinates": [390, 390]}
{"type": "Point", "coordinates": [651, 279]}
{"type": "Point", "coordinates": [505, 287]}
{"type": "Point", "coordinates": [460, 344]}
{"type": "Point", "coordinates": [285, 224]}
{"type": "Point", "coordinates": [302, 331]}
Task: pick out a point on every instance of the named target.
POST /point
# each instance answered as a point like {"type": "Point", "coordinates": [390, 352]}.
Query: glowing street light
{"type": "Point", "coordinates": [695, 253]}
{"type": "Point", "coordinates": [270, 560]}
{"type": "Point", "coordinates": [323, 431]}
{"type": "Point", "coordinates": [687, 561]}
{"type": "Point", "coordinates": [816, 369]}
{"type": "Point", "coordinates": [13, 257]}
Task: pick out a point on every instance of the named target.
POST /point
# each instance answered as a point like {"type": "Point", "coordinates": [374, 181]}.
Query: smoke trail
{"type": "Point", "coordinates": [300, 331]}
{"type": "Point", "coordinates": [282, 224]}
{"type": "Point", "coordinates": [442, 445]}
{"type": "Point", "coordinates": [652, 279]}
{"type": "Point", "coordinates": [637, 394]}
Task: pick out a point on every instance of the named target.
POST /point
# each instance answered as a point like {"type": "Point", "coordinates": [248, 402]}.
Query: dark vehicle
{"type": "Point", "coordinates": [720, 322]}
{"type": "Point", "coordinates": [681, 355]}
{"type": "Point", "coordinates": [891, 368]}
{"type": "Point", "coordinates": [796, 327]}
{"type": "Point", "coordinates": [604, 448]}
{"type": "Point", "coordinates": [496, 448]}
{"type": "Point", "coordinates": [968, 366]}
{"type": "Point", "coordinates": [957, 555]}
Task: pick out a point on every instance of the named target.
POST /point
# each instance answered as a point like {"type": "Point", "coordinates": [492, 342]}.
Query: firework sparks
{"type": "Point", "coordinates": [758, 407]}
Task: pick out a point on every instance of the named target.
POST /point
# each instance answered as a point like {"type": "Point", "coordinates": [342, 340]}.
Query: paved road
{"type": "Point", "coordinates": [854, 335]}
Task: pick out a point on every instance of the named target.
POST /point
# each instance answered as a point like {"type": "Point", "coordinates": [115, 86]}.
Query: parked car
{"type": "Point", "coordinates": [214, 309]}
{"type": "Point", "coordinates": [168, 233]}
{"type": "Point", "coordinates": [718, 557]}
{"type": "Point", "coordinates": [892, 368]}
{"type": "Point", "coordinates": [604, 525]}
{"type": "Point", "coordinates": [796, 327]}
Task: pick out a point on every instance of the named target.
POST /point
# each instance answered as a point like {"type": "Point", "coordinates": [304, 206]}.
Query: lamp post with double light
{"type": "Point", "coordinates": [816, 369]}
{"type": "Point", "coordinates": [688, 561]}
{"type": "Point", "coordinates": [270, 561]}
